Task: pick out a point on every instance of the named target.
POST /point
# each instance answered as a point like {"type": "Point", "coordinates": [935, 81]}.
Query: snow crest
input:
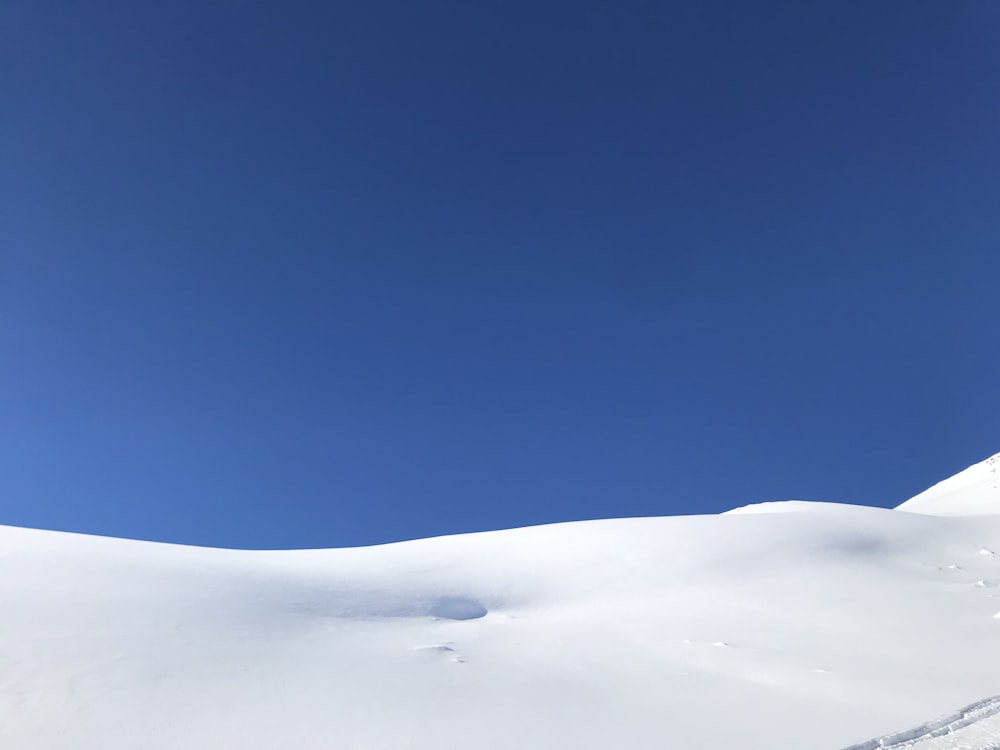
{"type": "Point", "coordinates": [974, 491]}
{"type": "Point", "coordinates": [982, 716]}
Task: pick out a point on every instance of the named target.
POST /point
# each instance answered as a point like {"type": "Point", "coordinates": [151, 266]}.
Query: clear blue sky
{"type": "Point", "coordinates": [319, 274]}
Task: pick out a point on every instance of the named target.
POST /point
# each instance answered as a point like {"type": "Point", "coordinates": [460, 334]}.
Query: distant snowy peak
{"type": "Point", "coordinates": [973, 492]}
{"type": "Point", "coordinates": [786, 506]}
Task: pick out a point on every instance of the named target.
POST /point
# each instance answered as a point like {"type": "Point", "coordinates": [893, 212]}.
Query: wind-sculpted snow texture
{"type": "Point", "coordinates": [975, 727]}
{"type": "Point", "coordinates": [777, 627]}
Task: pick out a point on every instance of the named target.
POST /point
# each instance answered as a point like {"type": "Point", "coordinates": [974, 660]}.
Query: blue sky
{"type": "Point", "coordinates": [319, 274]}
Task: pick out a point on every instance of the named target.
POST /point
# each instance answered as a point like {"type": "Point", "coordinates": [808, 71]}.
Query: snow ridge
{"type": "Point", "coordinates": [945, 725]}
{"type": "Point", "coordinates": [974, 491]}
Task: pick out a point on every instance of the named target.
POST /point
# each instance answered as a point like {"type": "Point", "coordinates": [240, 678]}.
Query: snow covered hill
{"type": "Point", "coordinates": [973, 491]}
{"type": "Point", "coordinates": [798, 626]}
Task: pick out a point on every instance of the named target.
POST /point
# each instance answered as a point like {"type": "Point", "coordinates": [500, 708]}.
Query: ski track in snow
{"type": "Point", "coordinates": [975, 727]}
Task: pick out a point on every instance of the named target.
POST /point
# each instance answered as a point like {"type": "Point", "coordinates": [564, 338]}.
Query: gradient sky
{"type": "Point", "coordinates": [310, 274]}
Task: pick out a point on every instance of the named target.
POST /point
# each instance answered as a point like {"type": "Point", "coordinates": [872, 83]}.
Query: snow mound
{"type": "Point", "coordinates": [975, 491]}
{"type": "Point", "coordinates": [787, 506]}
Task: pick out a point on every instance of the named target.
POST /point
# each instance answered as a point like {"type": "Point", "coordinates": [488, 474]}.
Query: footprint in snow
{"type": "Point", "coordinates": [987, 552]}
{"type": "Point", "coordinates": [985, 584]}
{"type": "Point", "coordinates": [442, 649]}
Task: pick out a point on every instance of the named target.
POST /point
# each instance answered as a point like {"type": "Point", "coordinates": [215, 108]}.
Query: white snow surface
{"type": "Point", "coordinates": [789, 626]}
{"type": "Point", "coordinates": [975, 727]}
{"type": "Point", "coordinates": [973, 491]}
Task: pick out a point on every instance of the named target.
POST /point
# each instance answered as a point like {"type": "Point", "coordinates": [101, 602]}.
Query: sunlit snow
{"type": "Point", "coordinates": [784, 626]}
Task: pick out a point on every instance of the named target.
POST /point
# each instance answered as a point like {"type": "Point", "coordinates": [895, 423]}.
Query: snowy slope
{"type": "Point", "coordinates": [975, 727]}
{"type": "Point", "coordinates": [814, 627]}
{"type": "Point", "coordinates": [975, 491]}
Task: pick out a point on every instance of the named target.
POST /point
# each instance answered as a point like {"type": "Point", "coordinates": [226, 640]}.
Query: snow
{"type": "Point", "coordinates": [975, 727]}
{"type": "Point", "coordinates": [975, 491]}
{"type": "Point", "coordinates": [788, 626]}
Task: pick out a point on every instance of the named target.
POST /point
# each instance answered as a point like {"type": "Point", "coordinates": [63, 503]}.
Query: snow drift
{"type": "Point", "coordinates": [814, 627]}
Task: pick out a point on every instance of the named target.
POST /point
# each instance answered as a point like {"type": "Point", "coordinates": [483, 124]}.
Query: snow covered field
{"type": "Point", "coordinates": [782, 626]}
